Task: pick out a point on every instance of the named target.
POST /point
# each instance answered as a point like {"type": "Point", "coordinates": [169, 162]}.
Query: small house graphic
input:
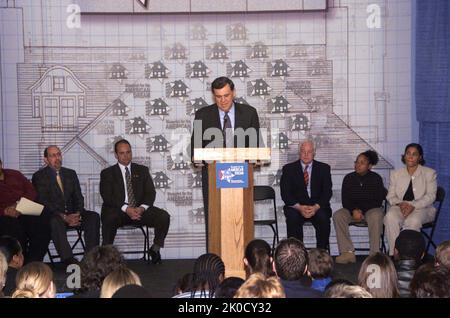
{"type": "Point", "coordinates": [177, 89]}
{"type": "Point", "coordinates": [197, 69]}
{"type": "Point", "coordinates": [300, 123]}
{"type": "Point", "coordinates": [161, 180]}
{"type": "Point", "coordinates": [241, 100]}
{"type": "Point", "coordinates": [238, 69]}
{"type": "Point", "coordinates": [156, 107]}
{"type": "Point", "coordinates": [280, 141]}
{"type": "Point", "coordinates": [276, 178]}
{"type": "Point", "coordinates": [280, 105]}
{"type": "Point", "coordinates": [195, 180]}
{"type": "Point", "coordinates": [156, 70]}
{"type": "Point", "coordinates": [218, 51]}
{"type": "Point", "coordinates": [318, 67]}
{"type": "Point", "coordinates": [259, 51]}
{"type": "Point", "coordinates": [159, 144]}
{"type": "Point", "coordinates": [59, 99]}
{"type": "Point", "coordinates": [237, 31]}
{"type": "Point", "coordinates": [279, 68]}
{"type": "Point", "coordinates": [137, 126]}
{"type": "Point", "coordinates": [197, 216]}
{"type": "Point", "coordinates": [178, 52]}
{"type": "Point", "coordinates": [259, 87]}
{"type": "Point", "coordinates": [119, 108]}
{"type": "Point", "coordinates": [196, 104]}
{"type": "Point", "coordinates": [198, 32]}
{"type": "Point", "coordinates": [118, 71]}
{"type": "Point", "coordinates": [178, 163]}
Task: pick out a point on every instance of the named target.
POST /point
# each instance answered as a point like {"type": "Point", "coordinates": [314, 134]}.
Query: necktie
{"type": "Point", "coordinates": [59, 181]}
{"type": "Point", "coordinates": [226, 125]}
{"type": "Point", "coordinates": [131, 199]}
{"type": "Point", "coordinates": [306, 175]}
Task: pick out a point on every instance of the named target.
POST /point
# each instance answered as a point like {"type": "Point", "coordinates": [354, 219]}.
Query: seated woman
{"type": "Point", "coordinates": [412, 191]}
{"type": "Point", "coordinates": [363, 193]}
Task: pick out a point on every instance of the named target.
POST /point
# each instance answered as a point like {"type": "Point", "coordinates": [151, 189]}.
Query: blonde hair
{"type": "Point", "coordinates": [117, 279]}
{"type": "Point", "coordinates": [260, 286]}
{"type": "Point", "coordinates": [385, 275]}
{"type": "Point", "coordinates": [34, 280]}
{"type": "Point", "coordinates": [3, 270]}
{"type": "Point", "coordinates": [346, 291]}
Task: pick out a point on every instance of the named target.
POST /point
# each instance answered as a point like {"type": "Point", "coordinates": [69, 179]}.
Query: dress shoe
{"type": "Point", "coordinates": [156, 257]}
{"type": "Point", "coordinates": [345, 258]}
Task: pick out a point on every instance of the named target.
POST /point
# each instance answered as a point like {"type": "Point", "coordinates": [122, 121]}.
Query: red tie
{"type": "Point", "coordinates": [306, 175]}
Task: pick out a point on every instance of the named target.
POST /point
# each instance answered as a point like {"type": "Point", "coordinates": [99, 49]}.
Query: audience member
{"type": "Point", "coordinates": [132, 291]}
{"type": "Point", "coordinates": [95, 266]}
{"type": "Point", "coordinates": [117, 279]}
{"type": "Point", "coordinates": [228, 287]}
{"type": "Point", "coordinates": [209, 272]}
{"type": "Point", "coordinates": [320, 267]}
{"type": "Point", "coordinates": [408, 254]}
{"type": "Point", "coordinates": [261, 286]}
{"type": "Point", "coordinates": [3, 270]}
{"type": "Point", "coordinates": [347, 291]}
{"type": "Point", "coordinates": [378, 276]}
{"type": "Point", "coordinates": [12, 250]}
{"type": "Point", "coordinates": [35, 280]}
{"type": "Point", "coordinates": [291, 266]}
{"type": "Point", "coordinates": [430, 281]}
{"type": "Point", "coordinates": [258, 258]}
{"type": "Point", "coordinates": [442, 257]}
{"type": "Point", "coordinates": [184, 284]}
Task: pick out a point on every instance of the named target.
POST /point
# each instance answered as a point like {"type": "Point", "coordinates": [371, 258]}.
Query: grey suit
{"type": "Point", "coordinates": [424, 188]}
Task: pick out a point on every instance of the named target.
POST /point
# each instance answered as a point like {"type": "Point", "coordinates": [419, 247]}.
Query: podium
{"type": "Point", "coordinates": [230, 218]}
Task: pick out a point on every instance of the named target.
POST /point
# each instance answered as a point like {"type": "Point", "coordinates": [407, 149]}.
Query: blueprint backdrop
{"type": "Point", "coordinates": [338, 72]}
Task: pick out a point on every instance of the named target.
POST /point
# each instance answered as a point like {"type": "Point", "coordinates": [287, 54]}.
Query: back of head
{"type": "Point", "coordinates": [258, 256]}
{"type": "Point", "coordinates": [260, 286]}
{"type": "Point", "coordinates": [347, 291]}
{"type": "Point", "coordinates": [34, 280]}
{"type": "Point", "coordinates": [184, 284]}
{"type": "Point", "coordinates": [9, 246]}
{"type": "Point", "coordinates": [410, 244]}
{"type": "Point", "coordinates": [378, 276]}
{"type": "Point", "coordinates": [209, 271]}
{"type": "Point", "coordinates": [291, 259]}
{"type": "Point", "coordinates": [228, 287]}
{"type": "Point", "coordinates": [132, 291]}
{"type": "Point", "coordinates": [97, 264]}
{"type": "Point", "coordinates": [117, 279]}
{"type": "Point", "coordinates": [443, 254]}
{"type": "Point", "coordinates": [320, 263]}
{"type": "Point", "coordinates": [430, 282]}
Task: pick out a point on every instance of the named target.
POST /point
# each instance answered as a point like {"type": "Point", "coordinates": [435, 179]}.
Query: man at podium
{"type": "Point", "coordinates": [223, 124]}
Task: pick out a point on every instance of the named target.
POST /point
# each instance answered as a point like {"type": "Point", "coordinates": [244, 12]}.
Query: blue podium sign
{"type": "Point", "coordinates": [232, 175]}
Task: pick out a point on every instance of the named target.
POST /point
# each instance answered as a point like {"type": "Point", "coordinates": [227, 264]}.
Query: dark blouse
{"type": "Point", "coordinates": [362, 192]}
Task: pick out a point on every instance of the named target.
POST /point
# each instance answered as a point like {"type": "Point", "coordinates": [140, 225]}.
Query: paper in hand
{"type": "Point", "coordinates": [28, 207]}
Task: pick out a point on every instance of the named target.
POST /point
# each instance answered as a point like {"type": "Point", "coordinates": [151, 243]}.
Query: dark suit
{"type": "Point", "coordinates": [69, 201]}
{"type": "Point", "coordinates": [245, 116]}
{"type": "Point", "coordinates": [112, 190]}
{"type": "Point", "coordinates": [293, 191]}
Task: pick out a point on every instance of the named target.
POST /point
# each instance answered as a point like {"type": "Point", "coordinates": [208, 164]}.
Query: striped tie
{"type": "Point", "coordinates": [306, 175]}
{"type": "Point", "coordinates": [131, 199]}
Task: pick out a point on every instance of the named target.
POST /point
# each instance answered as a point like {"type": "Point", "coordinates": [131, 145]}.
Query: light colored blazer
{"type": "Point", "coordinates": [424, 186]}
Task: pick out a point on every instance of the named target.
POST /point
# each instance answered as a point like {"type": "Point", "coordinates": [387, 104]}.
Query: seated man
{"type": "Point", "coordinates": [408, 254]}
{"type": "Point", "coordinates": [306, 191]}
{"type": "Point", "coordinates": [128, 195]}
{"type": "Point", "coordinates": [59, 191]}
{"type": "Point", "coordinates": [33, 232]}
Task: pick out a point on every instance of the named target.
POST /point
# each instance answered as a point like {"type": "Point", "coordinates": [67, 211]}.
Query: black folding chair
{"type": "Point", "coordinates": [79, 240]}
{"type": "Point", "coordinates": [440, 196]}
{"type": "Point", "coordinates": [261, 193]}
{"type": "Point", "coordinates": [145, 232]}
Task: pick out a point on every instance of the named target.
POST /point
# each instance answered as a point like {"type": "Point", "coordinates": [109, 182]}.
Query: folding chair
{"type": "Point", "coordinates": [440, 196]}
{"type": "Point", "coordinates": [79, 239]}
{"type": "Point", "coordinates": [261, 193]}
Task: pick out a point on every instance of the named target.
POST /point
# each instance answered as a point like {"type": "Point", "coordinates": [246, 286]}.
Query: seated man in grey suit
{"type": "Point", "coordinates": [128, 195]}
{"type": "Point", "coordinates": [59, 191]}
